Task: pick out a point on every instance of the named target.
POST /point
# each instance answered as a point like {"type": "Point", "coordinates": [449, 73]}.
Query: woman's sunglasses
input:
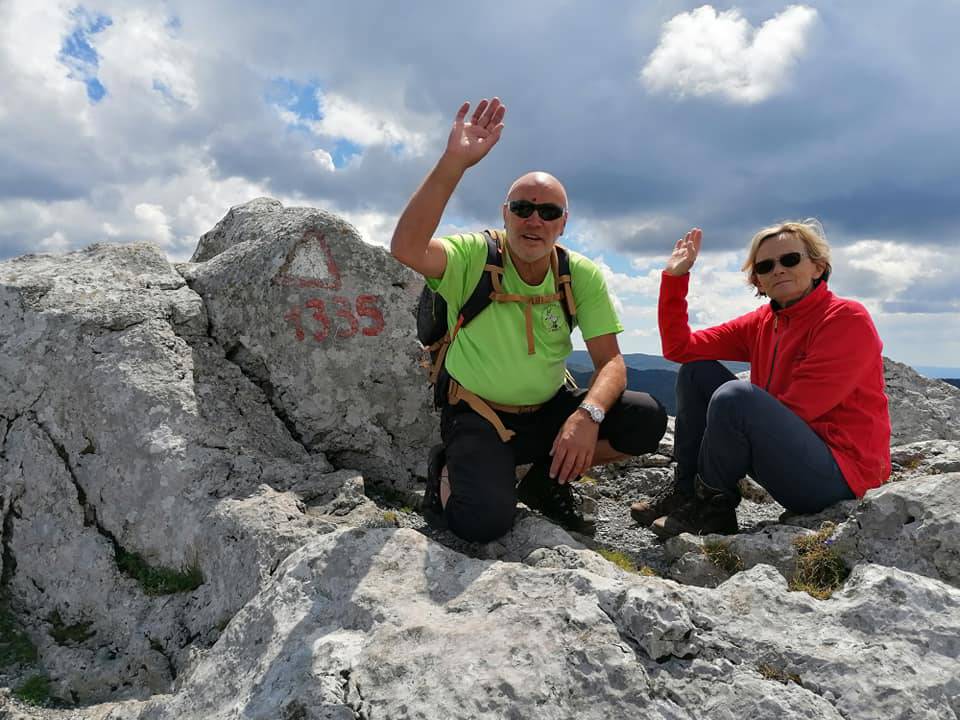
{"type": "Point", "coordinates": [525, 208]}
{"type": "Point", "coordinates": [790, 259]}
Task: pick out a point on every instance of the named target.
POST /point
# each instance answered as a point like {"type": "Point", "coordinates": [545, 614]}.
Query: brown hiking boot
{"type": "Point", "coordinates": [668, 500]}
{"type": "Point", "coordinates": [711, 511]}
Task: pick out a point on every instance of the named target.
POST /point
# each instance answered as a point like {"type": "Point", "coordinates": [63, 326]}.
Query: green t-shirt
{"type": "Point", "coordinates": [489, 356]}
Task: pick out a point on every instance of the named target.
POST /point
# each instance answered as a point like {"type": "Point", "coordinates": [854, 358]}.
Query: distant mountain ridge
{"type": "Point", "coordinates": [658, 376]}
{"type": "Point", "coordinates": [641, 361]}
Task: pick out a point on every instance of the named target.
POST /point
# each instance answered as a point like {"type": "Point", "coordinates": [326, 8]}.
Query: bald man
{"type": "Point", "coordinates": [516, 372]}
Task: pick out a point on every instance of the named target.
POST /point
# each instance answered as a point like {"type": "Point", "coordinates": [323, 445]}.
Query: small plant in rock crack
{"type": "Point", "coordinates": [720, 554]}
{"type": "Point", "coordinates": [15, 646]}
{"type": "Point", "coordinates": [820, 569]}
{"type": "Point", "coordinates": [66, 634]}
{"type": "Point", "coordinates": [159, 580]}
{"type": "Point", "coordinates": [771, 672]}
{"type": "Point", "coordinates": [35, 690]}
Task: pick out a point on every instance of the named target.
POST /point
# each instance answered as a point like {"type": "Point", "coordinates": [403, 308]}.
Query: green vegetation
{"type": "Point", "coordinates": [774, 673]}
{"type": "Point", "coordinates": [159, 580]}
{"type": "Point", "coordinates": [623, 561]}
{"type": "Point", "coordinates": [587, 480]}
{"type": "Point", "coordinates": [390, 517]}
{"type": "Point", "coordinates": [820, 569]}
{"type": "Point", "coordinates": [65, 634]}
{"type": "Point", "coordinates": [35, 690]}
{"type": "Point", "coordinates": [720, 554]}
{"type": "Point", "coordinates": [15, 645]}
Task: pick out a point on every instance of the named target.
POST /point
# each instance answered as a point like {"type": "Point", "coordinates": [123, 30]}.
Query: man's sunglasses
{"type": "Point", "coordinates": [790, 259]}
{"type": "Point", "coordinates": [525, 208]}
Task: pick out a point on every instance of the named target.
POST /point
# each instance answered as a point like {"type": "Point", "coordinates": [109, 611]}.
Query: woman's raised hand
{"type": "Point", "coordinates": [685, 253]}
{"type": "Point", "coordinates": [470, 141]}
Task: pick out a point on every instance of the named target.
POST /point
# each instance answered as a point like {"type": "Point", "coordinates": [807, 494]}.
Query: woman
{"type": "Point", "coordinates": [811, 426]}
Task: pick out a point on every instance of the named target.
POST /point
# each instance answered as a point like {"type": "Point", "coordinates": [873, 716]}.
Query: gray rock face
{"type": "Point", "coordinates": [324, 324]}
{"type": "Point", "coordinates": [920, 408]}
{"type": "Point", "coordinates": [126, 431]}
{"type": "Point", "coordinates": [386, 623]}
{"type": "Point", "coordinates": [188, 424]}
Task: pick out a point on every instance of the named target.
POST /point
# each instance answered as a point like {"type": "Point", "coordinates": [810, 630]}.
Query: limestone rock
{"type": "Point", "coordinates": [920, 408]}
{"type": "Point", "coordinates": [912, 525]}
{"type": "Point", "coordinates": [324, 324]}
{"type": "Point", "coordinates": [128, 434]}
{"type": "Point", "coordinates": [386, 623]}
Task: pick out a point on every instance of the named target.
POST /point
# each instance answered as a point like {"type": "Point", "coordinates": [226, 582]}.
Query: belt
{"type": "Point", "coordinates": [485, 408]}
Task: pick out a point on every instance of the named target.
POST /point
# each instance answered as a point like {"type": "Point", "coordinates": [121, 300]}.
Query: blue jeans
{"type": "Point", "coordinates": [727, 428]}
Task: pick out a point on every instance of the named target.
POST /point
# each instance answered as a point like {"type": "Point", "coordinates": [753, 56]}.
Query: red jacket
{"type": "Point", "coordinates": [820, 357]}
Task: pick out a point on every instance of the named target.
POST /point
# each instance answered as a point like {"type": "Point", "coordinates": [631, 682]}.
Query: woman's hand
{"type": "Point", "coordinates": [685, 253]}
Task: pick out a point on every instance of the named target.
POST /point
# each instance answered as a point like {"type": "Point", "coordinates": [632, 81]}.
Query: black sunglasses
{"type": "Point", "coordinates": [790, 259]}
{"type": "Point", "coordinates": [546, 211]}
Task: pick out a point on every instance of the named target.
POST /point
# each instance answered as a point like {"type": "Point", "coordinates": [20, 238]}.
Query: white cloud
{"type": "Point", "coordinates": [55, 243]}
{"type": "Point", "coordinates": [898, 265]}
{"type": "Point", "coordinates": [142, 59]}
{"type": "Point", "coordinates": [348, 119]}
{"type": "Point", "coordinates": [703, 52]}
{"type": "Point", "coordinates": [374, 227]}
{"type": "Point", "coordinates": [323, 159]}
{"type": "Point", "coordinates": [620, 232]}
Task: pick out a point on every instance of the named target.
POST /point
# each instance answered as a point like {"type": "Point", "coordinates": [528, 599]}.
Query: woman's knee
{"type": "Point", "coordinates": [688, 372]}
{"type": "Point", "coordinates": [731, 399]}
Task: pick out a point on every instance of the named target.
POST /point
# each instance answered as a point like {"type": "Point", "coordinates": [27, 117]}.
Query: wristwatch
{"type": "Point", "coordinates": [594, 411]}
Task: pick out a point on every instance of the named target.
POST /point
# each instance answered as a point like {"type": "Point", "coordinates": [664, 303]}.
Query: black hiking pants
{"type": "Point", "coordinates": [482, 468]}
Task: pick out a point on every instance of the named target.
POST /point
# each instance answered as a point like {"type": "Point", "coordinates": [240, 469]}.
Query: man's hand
{"type": "Point", "coordinates": [574, 447]}
{"type": "Point", "coordinates": [470, 141]}
{"type": "Point", "coordinates": [685, 253]}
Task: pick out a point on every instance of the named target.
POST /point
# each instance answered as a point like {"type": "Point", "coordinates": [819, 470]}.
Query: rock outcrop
{"type": "Point", "coordinates": [184, 464]}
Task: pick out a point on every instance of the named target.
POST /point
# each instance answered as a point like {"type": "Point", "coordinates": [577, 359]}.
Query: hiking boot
{"type": "Point", "coordinates": [710, 511]}
{"type": "Point", "coordinates": [559, 503]}
{"type": "Point", "coordinates": [668, 500]}
{"type": "Point", "coordinates": [431, 507]}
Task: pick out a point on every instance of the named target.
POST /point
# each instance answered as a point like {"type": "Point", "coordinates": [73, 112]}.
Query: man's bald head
{"type": "Point", "coordinates": [531, 238]}
{"type": "Point", "coordinates": [546, 183]}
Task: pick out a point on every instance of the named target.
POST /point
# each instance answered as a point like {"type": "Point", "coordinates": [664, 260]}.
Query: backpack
{"type": "Point", "coordinates": [436, 337]}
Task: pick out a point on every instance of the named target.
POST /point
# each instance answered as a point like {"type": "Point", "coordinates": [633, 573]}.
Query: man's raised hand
{"type": "Point", "coordinates": [470, 141]}
{"type": "Point", "coordinates": [685, 253]}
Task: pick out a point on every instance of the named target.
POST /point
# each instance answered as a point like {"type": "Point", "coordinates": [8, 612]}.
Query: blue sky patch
{"type": "Point", "coordinates": [343, 151]}
{"type": "Point", "coordinates": [80, 56]}
{"type": "Point", "coordinates": [298, 98]}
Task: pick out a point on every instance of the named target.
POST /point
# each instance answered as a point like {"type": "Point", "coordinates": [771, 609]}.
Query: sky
{"type": "Point", "coordinates": [136, 120]}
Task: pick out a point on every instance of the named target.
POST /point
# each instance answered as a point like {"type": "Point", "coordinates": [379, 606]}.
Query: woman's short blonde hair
{"type": "Point", "coordinates": [810, 233]}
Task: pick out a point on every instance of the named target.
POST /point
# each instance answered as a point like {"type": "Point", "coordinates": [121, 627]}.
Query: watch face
{"type": "Point", "coordinates": [595, 413]}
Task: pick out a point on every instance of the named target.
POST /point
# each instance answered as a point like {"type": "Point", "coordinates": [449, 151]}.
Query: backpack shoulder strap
{"type": "Point", "coordinates": [480, 297]}
{"type": "Point", "coordinates": [564, 281]}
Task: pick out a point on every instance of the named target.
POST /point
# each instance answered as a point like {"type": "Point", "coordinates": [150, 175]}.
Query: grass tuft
{"type": "Point", "coordinates": [720, 554]}
{"type": "Point", "coordinates": [15, 645]}
{"type": "Point", "coordinates": [820, 569]}
{"type": "Point", "coordinates": [159, 580]}
{"type": "Point", "coordinates": [35, 690]}
{"type": "Point", "coordinates": [390, 517]}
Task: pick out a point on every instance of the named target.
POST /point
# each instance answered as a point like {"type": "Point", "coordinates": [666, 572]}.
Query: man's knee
{"type": "Point", "coordinates": [639, 426]}
{"type": "Point", "coordinates": [480, 521]}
